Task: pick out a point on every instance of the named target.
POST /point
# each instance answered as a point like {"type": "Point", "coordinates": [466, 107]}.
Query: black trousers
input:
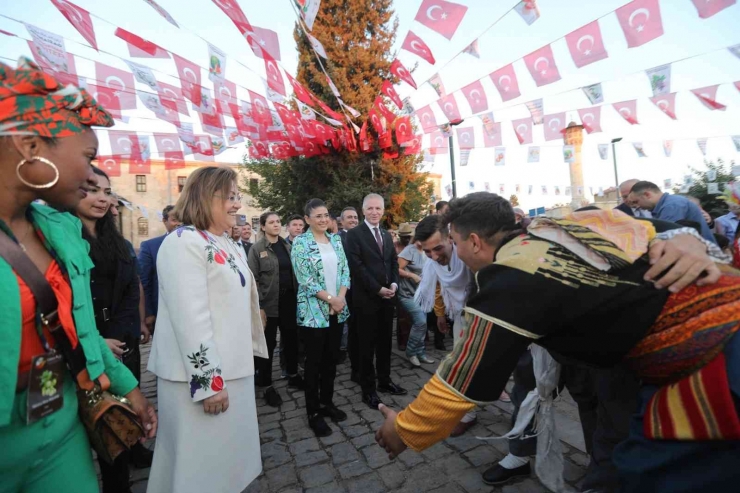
{"type": "Point", "coordinates": [322, 353]}
{"type": "Point", "coordinates": [286, 321]}
{"type": "Point", "coordinates": [375, 334]}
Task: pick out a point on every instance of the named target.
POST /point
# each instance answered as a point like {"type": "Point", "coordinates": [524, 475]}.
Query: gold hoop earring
{"type": "Point", "coordinates": [43, 160]}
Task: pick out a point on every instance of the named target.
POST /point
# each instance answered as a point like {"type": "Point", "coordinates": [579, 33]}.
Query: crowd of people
{"type": "Point", "coordinates": [637, 307]}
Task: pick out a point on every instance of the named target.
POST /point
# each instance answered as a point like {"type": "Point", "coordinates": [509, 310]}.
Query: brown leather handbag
{"type": "Point", "coordinates": [111, 423]}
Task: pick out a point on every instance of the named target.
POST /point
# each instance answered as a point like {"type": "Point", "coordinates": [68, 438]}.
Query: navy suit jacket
{"type": "Point", "coordinates": [148, 271]}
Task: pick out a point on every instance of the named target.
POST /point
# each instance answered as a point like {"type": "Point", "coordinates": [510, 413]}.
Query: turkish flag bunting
{"type": "Point", "coordinates": [466, 137]}
{"type": "Point", "coordinates": [476, 96]}
{"type": "Point", "coordinates": [385, 140]}
{"type": "Point", "coordinates": [124, 144]}
{"type": "Point", "coordinates": [404, 130]}
{"type": "Point", "coordinates": [260, 110]}
{"type": "Point", "coordinates": [628, 111]}
{"type": "Point", "coordinates": [523, 130]}
{"type": "Point", "coordinates": [448, 104]}
{"type": "Point", "coordinates": [554, 126]}
{"type": "Point", "coordinates": [402, 73]}
{"type": "Point", "coordinates": [441, 16]}
{"type": "Point", "coordinates": [110, 164]}
{"type": "Point", "coordinates": [147, 47]}
{"type": "Point", "coordinates": [276, 135]}
{"type": "Point", "coordinates": [139, 166]}
{"type": "Point", "coordinates": [264, 39]}
{"type": "Point", "coordinates": [506, 82]}
{"type": "Point", "coordinates": [427, 119]}
{"type": "Point", "coordinates": [300, 92]}
{"type": "Point", "coordinates": [106, 97]}
{"type": "Point", "coordinates": [190, 80]}
{"type": "Point", "coordinates": [492, 139]}
{"type": "Point", "coordinates": [68, 77]}
{"type": "Point", "coordinates": [384, 111]}
{"type": "Point", "coordinates": [586, 45]}
{"type": "Point", "coordinates": [708, 96]}
{"type": "Point", "coordinates": [225, 94]}
{"type": "Point", "coordinates": [591, 119]}
{"type": "Point", "coordinates": [231, 8]}
{"type": "Point", "coordinates": [541, 65]}
{"type": "Point", "coordinates": [418, 47]}
{"type": "Point", "coordinates": [390, 91]}
{"type": "Point", "coordinates": [707, 8]}
{"type": "Point", "coordinates": [274, 79]}
{"type": "Point", "coordinates": [286, 114]}
{"type": "Point", "coordinates": [413, 146]}
{"type": "Point", "coordinates": [365, 142]}
{"type": "Point", "coordinates": [666, 103]}
{"type": "Point", "coordinates": [167, 143]}
{"type": "Point", "coordinates": [640, 21]}
{"type": "Point", "coordinates": [258, 150]}
{"type": "Point", "coordinates": [174, 160]}
{"type": "Point", "coordinates": [328, 110]}
{"type": "Point", "coordinates": [120, 81]}
{"type": "Point", "coordinates": [438, 143]}
{"type": "Point", "coordinates": [203, 145]}
{"type": "Point", "coordinates": [376, 121]}
{"type": "Point", "coordinates": [80, 19]}
{"type": "Point", "coordinates": [390, 154]}
{"type": "Point", "coordinates": [737, 85]}
{"type": "Point", "coordinates": [172, 98]}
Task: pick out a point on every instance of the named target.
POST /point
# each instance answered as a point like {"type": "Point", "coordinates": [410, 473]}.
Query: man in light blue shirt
{"type": "Point", "coordinates": [668, 207]}
{"type": "Point", "coordinates": [727, 225]}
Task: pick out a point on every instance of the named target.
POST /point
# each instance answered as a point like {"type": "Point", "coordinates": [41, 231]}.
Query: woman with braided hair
{"type": "Point", "coordinates": [46, 151]}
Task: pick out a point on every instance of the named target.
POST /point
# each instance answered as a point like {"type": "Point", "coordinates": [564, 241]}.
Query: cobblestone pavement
{"type": "Point", "coordinates": [349, 460]}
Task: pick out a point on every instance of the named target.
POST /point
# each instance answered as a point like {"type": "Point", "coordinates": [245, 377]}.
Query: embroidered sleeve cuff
{"type": "Point", "coordinates": [205, 374]}
{"type": "Point", "coordinates": [713, 250]}
{"type": "Point", "coordinates": [432, 416]}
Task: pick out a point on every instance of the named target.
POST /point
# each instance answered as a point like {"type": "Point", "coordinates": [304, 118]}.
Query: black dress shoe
{"type": "Point", "coordinates": [318, 425]}
{"type": "Point", "coordinates": [297, 382]}
{"type": "Point", "coordinates": [141, 457]}
{"type": "Point", "coordinates": [333, 412]}
{"type": "Point", "coordinates": [355, 377]}
{"type": "Point", "coordinates": [372, 400]}
{"type": "Point", "coordinates": [500, 475]}
{"type": "Point", "coordinates": [440, 345]}
{"type": "Point", "coordinates": [272, 398]}
{"type": "Point", "coordinates": [392, 388]}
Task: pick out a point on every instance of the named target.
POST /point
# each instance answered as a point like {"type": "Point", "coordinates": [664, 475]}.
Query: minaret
{"type": "Point", "coordinates": [574, 136]}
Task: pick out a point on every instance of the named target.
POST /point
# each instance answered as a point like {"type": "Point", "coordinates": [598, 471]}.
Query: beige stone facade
{"type": "Point", "coordinates": [149, 194]}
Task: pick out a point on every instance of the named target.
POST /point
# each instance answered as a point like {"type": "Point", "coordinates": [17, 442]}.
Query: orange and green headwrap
{"type": "Point", "coordinates": [35, 103]}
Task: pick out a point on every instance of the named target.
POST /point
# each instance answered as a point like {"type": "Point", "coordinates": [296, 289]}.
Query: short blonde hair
{"type": "Point", "coordinates": [194, 205]}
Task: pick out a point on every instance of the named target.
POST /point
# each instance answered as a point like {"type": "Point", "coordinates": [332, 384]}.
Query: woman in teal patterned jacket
{"type": "Point", "coordinates": [322, 272]}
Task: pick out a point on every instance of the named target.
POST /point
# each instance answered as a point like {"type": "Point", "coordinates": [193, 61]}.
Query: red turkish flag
{"type": "Point", "coordinates": [708, 96]}
{"type": "Point", "coordinates": [334, 114]}
{"type": "Point", "coordinates": [286, 115]}
{"type": "Point", "coordinates": [476, 96]}
{"type": "Point", "coordinates": [390, 154]}
{"type": "Point", "coordinates": [384, 111]}
{"type": "Point", "coordinates": [506, 82]}
{"type": "Point", "coordinates": [413, 146]}
{"type": "Point", "coordinates": [300, 92]}
{"type": "Point", "coordinates": [737, 85]}
{"type": "Point", "coordinates": [404, 129]}
{"type": "Point", "coordinates": [260, 110]}
{"type": "Point", "coordinates": [258, 150]}
{"type": "Point", "coordinates": [120, 81]}
{"type": "Point", "coordinates": [225, 93]}
{"type": "Point", "coordinates": [365, 141]}
{"type": "Point", "coordinates": [147, 47]}
{"type": "Point", "coordinates": [264, 39]}
{"type": "Point", "coordinates": [591, 119]}
{"type": "Point", "coordinates": [167, 143]}
{"type": "Point", "coordinates": [586, 45]}
{"type": "Point", "coordinates": [274, 79]}
{"type": "Point", "coordinates": [541, 65]}
{"type": "Point", "coordinates": [427, 119]}
{"type": "Point", "coordinates": [174, 160]}
{"type": "Point", "coordinates": [80, 19]}
{"type": "Point", "coordinates": [376, 121]}
{"type": "Point", "coordinates": [466, 137]}
{"type": "Point", "coordinates": [492, 139]}
{"type": "Point", "coordinates": [640, 21]}
{"type": "Point", "coordinates": [172, 98]}
{"type": "Point", "coordinates": [390, 91]}
{"type": "Point", "coordinates": [448, 105]}
{"type": "Point", "coordinates": [190, 80]}
{"type": "Point", "coordinates": [139, 166]}
{"type": "Point", "coordinates": [627, 110]}
{"type": "Point", "coordinates": [441, 16]}
{"type": "Point", "coordinates": [231, 8]}
{"type": "Point", "coordinates": [110, 164]}
{"type": "Point", "coordinates": [438, 143]}
{"type": "Point", "coordinates": [523, 130]}
{"type": "Point", "coordinates": [554, 126]}
{"type": "Point", "coordinates": [203, 145]}
{"type": "Point", "coordinates": [418, 47]}
{"type": "Point", "coordinates": [402, 73]}
{"type": "Point", "coordinates": [707, 8]}
{"type": "Point", "coordinates": [385, 140]}
{"type": "Point", "coordinates": [666, 103]}
{"type": "Point", "coordinates": [124, 144]}
{"type": "Point", "coordinates": [68, 77]}
{"type": "Point", "coordinates": [106, 97]}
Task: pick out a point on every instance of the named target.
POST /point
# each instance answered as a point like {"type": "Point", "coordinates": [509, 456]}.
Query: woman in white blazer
{"type": "Point", "coordinates": [208, 328]}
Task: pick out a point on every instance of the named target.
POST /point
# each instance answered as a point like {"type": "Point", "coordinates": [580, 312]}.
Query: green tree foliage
{"type": "Point", "coordinates": [712, 203]}
{"type": "Point", "coordinates": [358, 37]}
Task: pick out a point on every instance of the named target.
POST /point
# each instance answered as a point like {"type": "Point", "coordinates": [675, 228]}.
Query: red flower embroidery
{"type": "Point", "coordinates": [217, 385]}
{"type": "Point", "coordinates": [219, 258]}
{"type": "Point", "coordinates": [224, 254]}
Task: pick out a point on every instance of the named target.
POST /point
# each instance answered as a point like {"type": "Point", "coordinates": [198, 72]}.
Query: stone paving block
{"type": "Point", "coordinates": [500, 428]}
{"type": "Point", "coordinates": [281, 477]}
{"type": "Point", "coordinates": [299, 434]}
{"type": "Point", "coordinates": [526, 486]}
{"type": "Point", "coordinates": [451, 465]}
{"type": "Point", "coordinates": [426, 477]}
{"type": "Point", "coordinates": [307, 445]}
{"type": "Point", "coordinates": [344, 452]}
{"type": "Point", "coordinates": [448, 488]}
{"type": "Point", "coordinates": [392, 476]}
{"type": "Point", "coordinates": [310, 458]}
{"type": "Point", "coordinates": [268, 436]}
{"type": "Point", "coordinates": [270, 418]}
{"type": "Point", "coordinates": [336, 437]}
{"type": "Point", "coordinates": [288, 406]}
{"type": "Point", "coordinates": [356, 430]}
{"type": "Point", "coordinates": [410, 458]}
{"type": "Point", "coordinates": [371, 416]}
{"type": "Point", "coordinates": [366, 484]}
{"type": "Point", "coordinates": [375, 456]}
{"type": "Point", "coordinates": [294, 423]}
{"type": "Point", "coordinates": [364, 441]}
{"type": "Point", "coordinates": [471, 481]}
{"type": "Point", "coordinates": [295, 413]}
{"type": "Point", "coordinates": [316, 475]}
{"type": "Point", "coordinates": [353, 469]}
{"type": "Point", "coordinates": [273, 448]}
{"type": "Point", "coordinates": [264, 427]}
{"type": "Point", "coordinates": [463, 443]}
{"type": "Point", "coordinates": [352, 418]}
{"type": "Point", "coordinates": [482, 456]}
{"type": "Point", "coordinates": [436, 451]}
{"type": "Point", "coordinates": [332, 487]}
{"type": "Point", "coordinates": [275, 460]}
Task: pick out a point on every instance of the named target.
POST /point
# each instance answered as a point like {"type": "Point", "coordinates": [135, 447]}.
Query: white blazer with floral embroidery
{"type": "Point", "coordinates": [208, 321]}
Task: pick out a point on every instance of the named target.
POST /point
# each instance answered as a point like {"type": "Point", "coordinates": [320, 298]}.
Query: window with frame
{"type": "Point", "coordinates": [181, 183]}
{"type": "Point", "coordinates": [143, 225]}
{"type": "Point", "coordinates": [255, 223]}
{"type": "Point", "coordinates": [141, 183]}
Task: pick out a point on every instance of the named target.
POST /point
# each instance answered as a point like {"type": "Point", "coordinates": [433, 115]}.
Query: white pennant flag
{"type": "Point", "coordinates": [713, 188]}
{"type": "Point", "coordinates": [145, 150]}
{"type": "Point", "coordinates": [500, 153]}
{"type": "Point", "coordinates": [448, 190]}
{"type": "Point", "coordinates": [351, 110]}
{"type": "Point", "coordinates": [667, 183]}
{"type": "Point", "coordinates": [143, 74]}
{"type": "Point", "coordinates": [736, 141]}
{"type": "Point", "coordinates": [639, 149]}
{"type": "Point", "coordinates": [317, 46]}
{"type": "Point", "coordinates": [271, 94]}
{"type": "Point", "coordinates": [472, 49]}
{"type": "Point", "coordinates": [702, 143]}
{"type": "Point", "coordinates": [408, 108]}
{"type": "Point", "coordinates": [309, 9]}
{"type": "Point", "coordinates": [569, 153]}
{"type": "Point", "coordinates": [528, 10]}
{"type": "Point", "coordinates": [436, 82]}
{"type": "Point", "coordinates": [355, 127]}
{"type": "Point", "coordinates": [580, 192]}
{"type": "Point", "coordinates": [660, 79]}
{"type": "Point", "coordinates": [307, 113]}
{"type": "Point", "coordinates": [567, 191]}
{"type": "Point", "coordinates": [604, 151]}
{"type": "Point", "coordinates": [501, 189]}
{"type": "Point", "coordinates": [735, 50]}
{"type": "Point", "coordinates": [536, 109]}
{"type": "Point", "coordinates": [667, 147]}
{"type": "Point", "coordinates": [218, 144]}
{"type": "Point", "coordinates": [594, 93]}
{"type": "Point", "coordinates": [216, 64]}
{"type": "Point", "coordinates": [529, 189]}
{"type": "Point", "coordinates": [533, 154]}
{"type": "Point", "coordinates": [49, 47]}
{"type": "Point", "coordinates": [544, 189]}
{"type": "Point", "coordinates": [464, 157]}
{"type": "Point", "coordinates": [233, 137]}
{"type": "Point", "coordinates": [144, 211]}
{"type": "Point", "coordinates": [152, 102]}
{"type": "Point", "coordinates": [333, 87]}
{"type": "Point", "coordinates": [487, 119]}
{"type": "Point", "coordinates": [471, 186]}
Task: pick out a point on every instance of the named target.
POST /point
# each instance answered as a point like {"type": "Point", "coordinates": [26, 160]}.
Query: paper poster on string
{"type": "Point", "coordinates": [667, 147]}
{"type": "Point", "coordinates": [569, 152]}
{"type": "Point", "coordinates": [557, 190]}
{"type": "Point", "coordinates": [536, 109]}
{"type": "Point", "coordinates": [594, 93]}
{"type": "Point", "coordinates": [660, 79]}
{"type": "Point", "coordinates": [448, 190]}
{"type": "Point", "coordinates": [533, 154]}
{"type": "Point", "coordinates": [667, 184]}
{"type": "Point", "coordinates": [473, 49]}
{"type": "Point", "coordinates": [544, 189]}
{"type": "Point", "coordinates": [736, 141]}
{"type": "Point", "coordinates": [464, 156]}
{"type": "Point", "coordinates": [711, 175]}
{"type": "Point", "coordinates": [580, 192]}
{"type": "Point", "coordinates": [702, 143]}
{"type": "Point", "coordinates": [529, 189]}
{"type": "Point", "coordinates": [488, 122]}
{"type": "Point", "coordinates": [309, 9]}
{"type": "Point", "coordinates": [487, 186]}
{"type": "Point", "coordinates": [713, 188]}
{"type": "Point", "coordinates": [567, 191]}
{"type": "Point", "coordinates": [604, 151]}
{"type": "Point", "coordinates": [436, 82]}
{"type": "Point", "coordinates": [528, 10]}
{"type": "Point", "coordinates": [501, 189]}
{"type": "Point", "coordinates": [639, 149]}
{"type": "Point", "coordinates": [500, 159]}
{"type": "Point", "coordinates": [143, 74]}
{"type": "Point", "coordinates": [49, 47]}
{"type": "Point", "coordinates": [471, 186]}
{"type": "Point", "coordinates": [216, 64]}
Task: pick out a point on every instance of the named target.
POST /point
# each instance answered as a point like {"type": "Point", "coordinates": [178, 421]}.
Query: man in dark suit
{"type": "Point", "coordinates": [350, 341]}
{"type": "Point", "coordinates": [374, 270]}
{"type": "Point", "coordinates": [148, 267]}
{"type": "Point", "coordinates": [631, 209]}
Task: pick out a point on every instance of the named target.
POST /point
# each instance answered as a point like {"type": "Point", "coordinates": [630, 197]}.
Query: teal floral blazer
{"type": "Point", "coordinates": [309, 271]}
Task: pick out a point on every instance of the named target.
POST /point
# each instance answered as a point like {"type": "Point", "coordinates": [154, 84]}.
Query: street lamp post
{"type": "Point", "coordinates": [452, 159]}
{"type": "Point", "coordinates": [614, 156]}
